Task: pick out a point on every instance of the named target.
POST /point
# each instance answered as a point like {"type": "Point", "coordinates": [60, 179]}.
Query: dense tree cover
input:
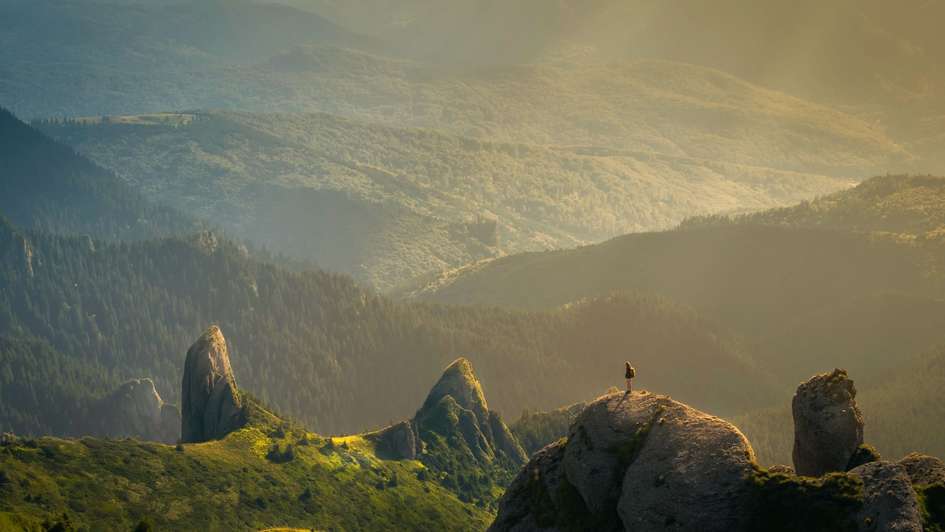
{"type": "Point", "coordinates": [388, 204]}
{"type": "Point", "coordinates": [324, 351]}
{"type": "Point", "coordinates": [45, 185]}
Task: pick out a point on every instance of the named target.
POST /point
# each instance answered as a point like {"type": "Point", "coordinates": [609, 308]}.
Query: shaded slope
{"type": "Point", "coordinates": [45, 185]}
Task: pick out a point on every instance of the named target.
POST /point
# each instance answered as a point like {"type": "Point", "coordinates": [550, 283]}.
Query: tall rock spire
{"type": "Point", "coordinates": [210, 401]}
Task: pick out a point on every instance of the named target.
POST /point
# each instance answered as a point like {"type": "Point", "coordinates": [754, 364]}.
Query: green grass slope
{"type": "Point", "coordinates": [266, 475]}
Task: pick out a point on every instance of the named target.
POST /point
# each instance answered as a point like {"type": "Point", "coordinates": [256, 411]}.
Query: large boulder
{"type": "Point", "coordinates": [828, 425]}
{"type": "Point", "coordinates": [890, 503]}
{"type": "Point", "coordinates": [635, 462]}
{"type": "Point", "coordinates": [533, 502]}
{"type": "Point", "coordinates": [397, 442]}
{"type": "Point", "coordinates": [603, 439]}
{"type": "Point", "coordinates": [210, 403]}
{"type": "Point", "coordinates": [691, 473]}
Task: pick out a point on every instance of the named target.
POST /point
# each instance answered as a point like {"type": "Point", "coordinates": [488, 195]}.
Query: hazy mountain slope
{"type": "Point", "coordinates": [866, 53]}
{"type": "Point", "coordinates": [47, 186]}
{"type": "Point", "coordinates": [808, 296]}
{"type": "Point", "coordinates": [312, 343]}
{"type": "Point", "coordinates": [389, 204]}
{"type": "Point", "coordinates": [64, 57]}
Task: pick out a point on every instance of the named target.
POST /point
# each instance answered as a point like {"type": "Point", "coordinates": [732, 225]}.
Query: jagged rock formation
{"type": "Point", "coordinates": [456, 405]}
{"type": "Point", "coordinates": [890, 503]}
{"type": "Point", "coordinates": [398, 441]}
{"type": "Point", "coordinates": [136, 410]}
{"type": "Point", "coordinates": [633, 461]}
{"type": "Point", "coordinates": [210, 403]}
{"type": "Point", "coordinates": [828, 426]}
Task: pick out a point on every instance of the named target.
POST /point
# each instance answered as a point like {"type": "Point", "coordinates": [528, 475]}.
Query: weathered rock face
{"type": "Point", "coordinates": [924, 470]}
{"type": "Point", "coordinates": [691, 473]}
{"type": "Point", "coordinates": [398, 441]}
{"type": "Point", "coordinates": [210, 402]}
{"type": "Point", "coordinates": [456, 405]}
{"type": "Point", "coordinates": [890, 502]}
{"type": "Point", "coordinates": [635, 462]}
{"type": "Point", "coordinates": [531, 502]}
{"type": "Point", "coordinates": [136, 410]}
{"type": "Point", "coordinates": [828, 426]}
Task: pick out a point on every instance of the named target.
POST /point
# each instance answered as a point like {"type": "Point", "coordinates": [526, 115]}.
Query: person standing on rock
{"type": "Point", "coordinates": [629, 374]}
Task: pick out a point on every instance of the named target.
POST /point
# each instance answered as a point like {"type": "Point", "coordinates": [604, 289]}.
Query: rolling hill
{"type": "Point", "coordinates": [390, 204]}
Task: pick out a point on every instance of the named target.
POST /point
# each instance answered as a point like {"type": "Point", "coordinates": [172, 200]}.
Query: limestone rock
{"type": "Point", "coordinates": [924, 470]}
{"type": "Point", "coordinates": [690, 473]}
{"type": "Point", "coordinates": [210, 402]}
{"type": "Point", "coordinates": [635, 462]}
{"type": "Point", "coordinates": [134, 410]}
{"type": "Point", "coordinates": [828, 425]}
{"type": "Point", "coordinates": [532, 502]}
{"type": "Point", "coordinates": [602, 436]}
{"type": "Point", "coordinates": [890, 503]}
{"type": "Point", "coordinates": [398, 441]}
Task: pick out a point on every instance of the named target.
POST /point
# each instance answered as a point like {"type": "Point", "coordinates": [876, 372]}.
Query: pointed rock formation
{"type": "Point", "coordinates": [210, 402]}
{"type": "Point", "coordinates": [135, 410]}
{"type": "Point", "coordinates": [828, 426]}
{"type": "Point", "coordinates": [457, 406]}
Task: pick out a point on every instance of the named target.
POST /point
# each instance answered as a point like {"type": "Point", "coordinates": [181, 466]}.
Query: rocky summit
{"type": "Point", "coordinates": [828, 425]}
{"type": "Point", "coordinates": [210, 403]}
{"type": "Point", "coordinates": [637, 462]}
{"type": "Point", "coordinates": [644, 462]}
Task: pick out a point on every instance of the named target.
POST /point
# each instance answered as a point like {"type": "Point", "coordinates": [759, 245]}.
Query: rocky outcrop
{"type": "Point", "coordinates": [924, 470]}
{"type": "Point", "coordinates": [397, 442]}
{"type": "Point", "coordinates": [643, 462]}
{"type": "Point", "coordinates": [635, 462]}
{"type": "Point", "coordinates": [210, 403]}
{"type": "Point", "coordinates": [890, 503]}
{"type": "Point", "coordinates": [828, 426]}
{"type": "Point", "coordinates": [457, 406]}
{"type": "Point", "coordinates": [135, 410]}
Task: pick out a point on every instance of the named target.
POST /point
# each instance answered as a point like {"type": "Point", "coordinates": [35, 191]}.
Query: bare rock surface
{"type": "Point", "coordinates": [136, 410]}
{"type": "Point", "coordinates": [398, 441]}
{"type": "Point", "coordinates": [890, 503]}
{"type": "Point", "coordinates": [210, 402]}
{"type": "Point", "coordinates": [828, 425]}
{"type": "Point", "coordinates": [534, 496]}
{"type": "Point", "coordinates": [690, 473]}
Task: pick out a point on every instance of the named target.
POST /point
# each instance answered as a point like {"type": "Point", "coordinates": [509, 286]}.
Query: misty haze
{"type": "Point", "coordinates": [470, 265]}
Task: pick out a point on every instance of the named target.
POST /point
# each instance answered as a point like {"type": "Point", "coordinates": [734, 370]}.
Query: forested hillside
{"type": "Point", "coordinates": [45, 185]}
{"type": "Point", "coordinates": [851, 280]}
{"type": "Point", "coordinates": [390, 204]}
{"type": "Point", "coordinates": [82, 318]}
